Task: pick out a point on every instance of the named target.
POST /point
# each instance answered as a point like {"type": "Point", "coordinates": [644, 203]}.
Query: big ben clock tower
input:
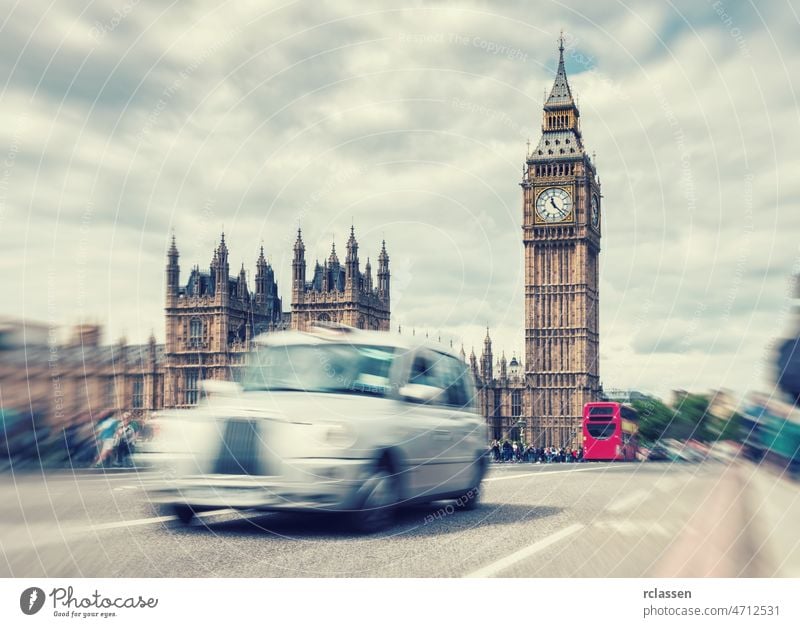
{"type": "Point", "coordinates": [561, 235]}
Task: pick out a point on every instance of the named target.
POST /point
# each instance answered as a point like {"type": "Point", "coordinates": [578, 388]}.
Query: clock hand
{"type": "Point", "coordinates": [553, 202]}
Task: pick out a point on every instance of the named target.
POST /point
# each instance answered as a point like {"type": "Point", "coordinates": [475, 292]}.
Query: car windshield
{"type": "Point", "coordinates": [334, 368]}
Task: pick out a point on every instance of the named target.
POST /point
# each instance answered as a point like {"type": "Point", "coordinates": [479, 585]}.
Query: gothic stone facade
{"type": "Point", "coordinates": [211, 320]}
{"type": "Point", "coordinates": [561, 238]}
{"type": "Point", "coordinates": [503, 395]}
{"type": "Point", "coordinates": [340, 293]}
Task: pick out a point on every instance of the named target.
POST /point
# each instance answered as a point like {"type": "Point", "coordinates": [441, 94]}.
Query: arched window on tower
{"type": "Point", "coordinates": [516, 403]}
{"type": "Point", "coordinates": [195, 333]}
{"type": "Point", "coordinates": [323, 317]}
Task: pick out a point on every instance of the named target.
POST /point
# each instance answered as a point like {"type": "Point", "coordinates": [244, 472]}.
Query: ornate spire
{"type": "Point", "coordinates": [560, 94]}
{"type": "Point", "coordinates": [173, 248]}
{"type": "Point", "coordinates": [298, 243]}
{"type": "Point", "coordinates": [333, 259]}
{"type": "Point", "coordinates": [261, 262]}
{"type": "Point", "coordinates": [352, 247]}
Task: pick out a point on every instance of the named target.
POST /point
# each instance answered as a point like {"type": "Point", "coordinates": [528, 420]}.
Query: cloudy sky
{"type": "Point", "coordinates": [124, 120]}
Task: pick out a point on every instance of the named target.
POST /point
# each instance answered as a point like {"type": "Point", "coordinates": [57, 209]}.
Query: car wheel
{"type": "Point", "coordinates": [379, 505]}
{"type": "Point", "coordinates": [471, 498]}
{"type": "Point", "coordinates": [184, 513]}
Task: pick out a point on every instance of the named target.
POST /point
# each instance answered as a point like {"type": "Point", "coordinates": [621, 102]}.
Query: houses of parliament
{"type": "Point", "coordinates": [212, 314]}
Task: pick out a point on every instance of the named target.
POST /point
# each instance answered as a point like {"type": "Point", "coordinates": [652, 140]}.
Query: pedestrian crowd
{"type": "Point", "coordinates": [518, 452]}
{"type": "Point", "coordinates": [110, 441]}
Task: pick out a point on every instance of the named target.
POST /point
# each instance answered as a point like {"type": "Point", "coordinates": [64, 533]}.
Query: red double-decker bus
{"type": "Point", "coordinates": [609, 432]}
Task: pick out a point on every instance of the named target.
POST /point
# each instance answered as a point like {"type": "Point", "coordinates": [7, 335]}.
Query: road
{"type": "Point", "coordinates": [560, 520]}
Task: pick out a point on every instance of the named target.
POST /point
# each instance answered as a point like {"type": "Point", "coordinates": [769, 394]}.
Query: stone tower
{"type": "Point", "coordinates": [211, 321]}
{"type": "Point", "coordinates": [561, 235]}
{"type": "Point", "coordinates": [340, 292]}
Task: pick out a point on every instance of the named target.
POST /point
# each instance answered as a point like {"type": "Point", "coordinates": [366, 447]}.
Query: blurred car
{"type": "Point", "coordinates": [337, 420]}
{"type": "Point", "coordinates": [658, 453]}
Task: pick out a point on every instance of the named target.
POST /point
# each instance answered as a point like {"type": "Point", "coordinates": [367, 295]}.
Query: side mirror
{"type": "Point", "coordinates": [418, 393]}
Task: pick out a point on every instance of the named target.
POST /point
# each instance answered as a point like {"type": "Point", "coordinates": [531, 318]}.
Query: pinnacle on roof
{"type": "Point", "coordinates": [560, 94]}
{"type": "Point", "coordinates": [173, 248]}
{"type": "Point", "coordinates": [298, 243]}
{"type": "Point", "coordinates": [223, 248]}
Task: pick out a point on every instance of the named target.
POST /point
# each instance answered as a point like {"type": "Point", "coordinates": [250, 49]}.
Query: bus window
{"type": "Point", "coordinates": [601, 430]}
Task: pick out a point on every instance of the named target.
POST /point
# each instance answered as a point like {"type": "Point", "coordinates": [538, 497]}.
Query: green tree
{"type": "Point", "coordinates": [655, 419]}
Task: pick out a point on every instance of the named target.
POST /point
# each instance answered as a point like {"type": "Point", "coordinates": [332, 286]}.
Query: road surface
{"type": "Point", "coordinates": [557, 520]}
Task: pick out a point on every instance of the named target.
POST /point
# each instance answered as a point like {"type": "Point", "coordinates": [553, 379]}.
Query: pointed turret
{"type": "Point", "coordinates": [473, 364]}
{"type": "Point", "coordinates": [299, 246]}
{"type": "Point", "coordinates": [173, 273]}
{"type": "Point", "coordinates": [463, 354]}
{"type": "Point", "coordinates": [561, 135]}
{"type": "Point", "coordinates": [368, 277]}
{"type": "Point", "coordinates": [264, 279]}
{"type": "Point", "coordinates": [351, 262]}
{"type": "Point", "coordinates": [503, 366]}
{"type": "Point", "coordinates": [383, 273]}
{"type": "Point", "coordinates": [223, 270]}
{"type": "Point", "coordinates": [486, 358]}
{"type": "Point", "coordinates": [560, 94]}
{"type": "Point", "coordinates": [151, 350]}
{"type": "Point", "coordinates": [241, 284]}
{"type": "Point", "coordinates": [332, 270]}
{"type": "Point", "coordinates": [298, 268]}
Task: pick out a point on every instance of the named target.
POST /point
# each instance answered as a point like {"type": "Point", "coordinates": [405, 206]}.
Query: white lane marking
{"type": "Point", "coordinates": [631, 528]}
{"type": "Point", "coordinates": [628, 502]}
{"type": "Point", "coordinates": [553, 472]}
{"type": "Point", "coordinates": [502, 564]}
{"type": "Point", "coordinates": [77, 534]}
{"type": "Point", "coordinates": [152, 521]}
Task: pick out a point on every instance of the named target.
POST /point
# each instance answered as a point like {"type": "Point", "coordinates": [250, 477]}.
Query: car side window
{"type": "Point", "coordinates": [422, 371]}
{"type": "Point", "coordinates": [452, 376]}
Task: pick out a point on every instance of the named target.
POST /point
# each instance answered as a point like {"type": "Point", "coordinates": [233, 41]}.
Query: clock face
{"type": "Point", "coordinates": [554, 205]}
{"type": "Point", "coordinates": [595, 212]}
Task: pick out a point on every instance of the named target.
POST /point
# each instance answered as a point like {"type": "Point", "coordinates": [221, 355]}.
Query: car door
{"type": "Point", "coordinates": [466, 429]}
{"type": "Point", "coordinates": [425, 425]}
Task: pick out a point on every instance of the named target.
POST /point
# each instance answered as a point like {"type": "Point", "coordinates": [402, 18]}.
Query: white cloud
{"type": "Point", "coordinates": [412, 122]}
